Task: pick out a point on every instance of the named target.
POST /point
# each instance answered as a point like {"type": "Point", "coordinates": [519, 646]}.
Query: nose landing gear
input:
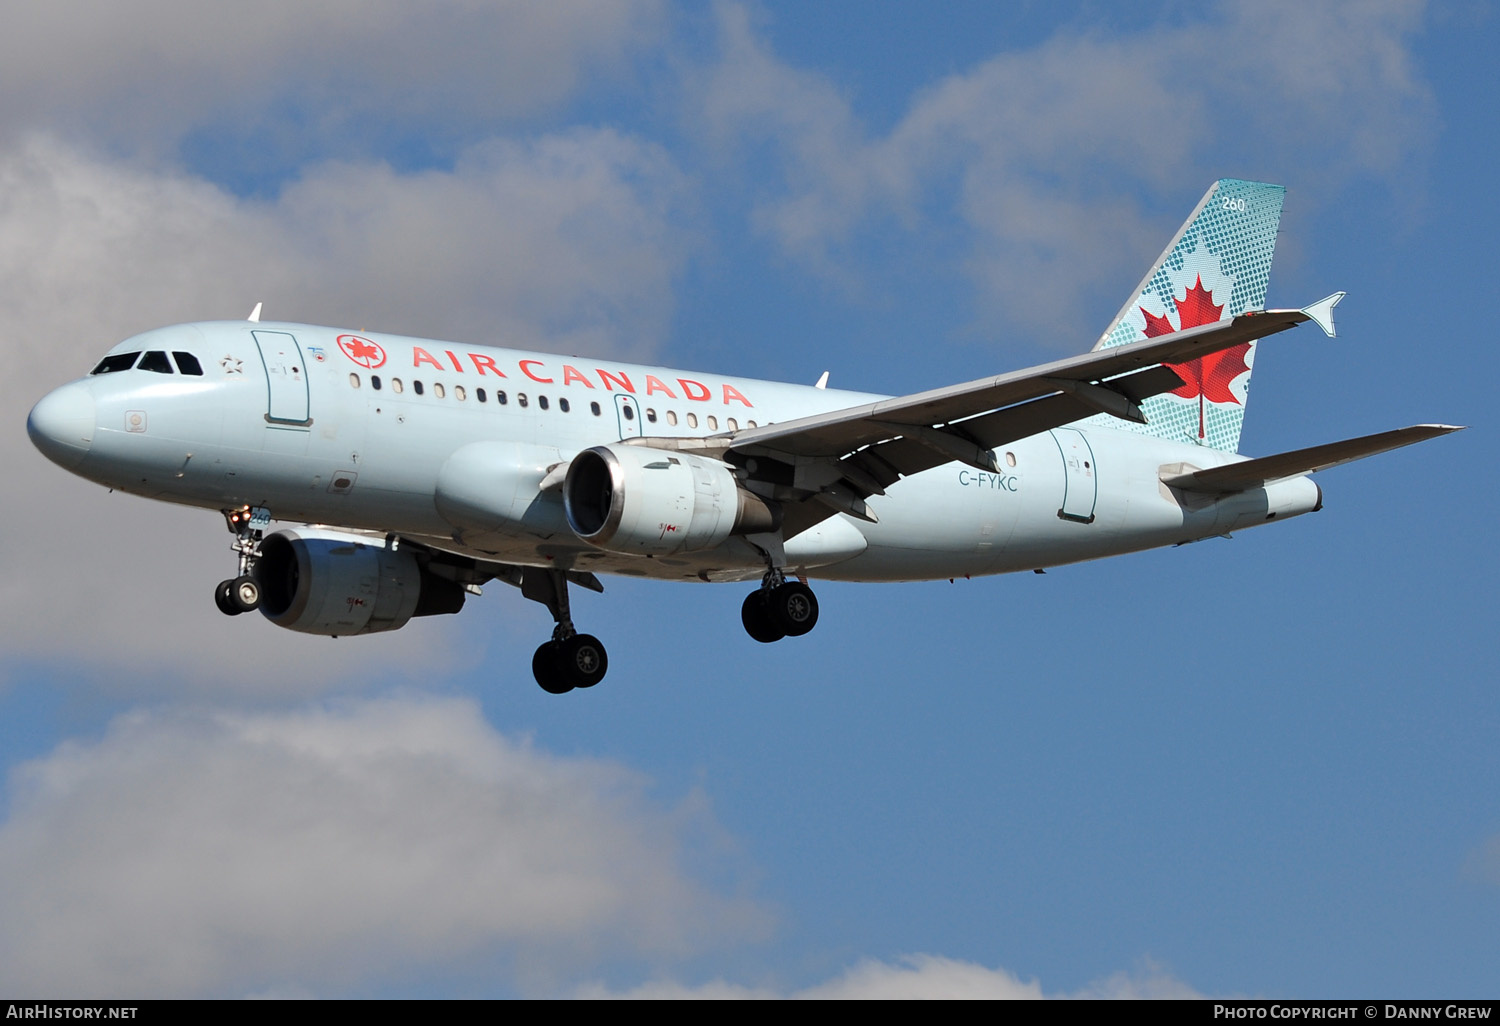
{"type": "Point", "coordinates": [242, 594]}
{"type": "Point", "coordinates": [238, 595]}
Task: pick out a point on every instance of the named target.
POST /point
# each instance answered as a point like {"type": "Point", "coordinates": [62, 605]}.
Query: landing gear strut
{"type": "Point", "coordinates": [570, 660]}
{"type": "Point", "coordinates": [241, 594]}
{"type": "Point", "coordinates": [779, 609]}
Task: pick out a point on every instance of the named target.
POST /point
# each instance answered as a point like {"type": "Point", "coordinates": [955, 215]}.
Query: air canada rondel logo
{"type": "Point", "coordinates": [362, 351]}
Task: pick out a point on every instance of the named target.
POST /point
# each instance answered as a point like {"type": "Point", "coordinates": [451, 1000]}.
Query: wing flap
{"type": "Point", "coordinates": [1023, 420]}
{"type": "Point", "coordinates": [1237, 477]}
{"type": "Point", "coordinates": [990, 431]}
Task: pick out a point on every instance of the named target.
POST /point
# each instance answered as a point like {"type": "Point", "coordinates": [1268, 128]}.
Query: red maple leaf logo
{"type": "Point", "coordinates": [1207, 377]}
{"type": "Point", "coordinates": [362, 351]}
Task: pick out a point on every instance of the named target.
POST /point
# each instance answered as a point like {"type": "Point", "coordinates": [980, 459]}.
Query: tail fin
{"type": "Point", "coordinates": [1214, 269]}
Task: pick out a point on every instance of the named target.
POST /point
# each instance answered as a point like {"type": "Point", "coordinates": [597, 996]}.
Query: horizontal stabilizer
{"type": "Point", "coordinates": [1237, 477]}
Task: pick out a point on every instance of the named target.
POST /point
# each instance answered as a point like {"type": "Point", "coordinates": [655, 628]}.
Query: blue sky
{"type": "Point", "coordinates": [1257, 766]}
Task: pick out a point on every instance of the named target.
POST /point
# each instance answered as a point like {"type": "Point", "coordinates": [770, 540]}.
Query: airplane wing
{"type": "Point", "coordinates": [1237, 477]}
{"type": "Point", "coordinates": [1106, 381]}
{"type": "Point", "coordinates": [831, 462]}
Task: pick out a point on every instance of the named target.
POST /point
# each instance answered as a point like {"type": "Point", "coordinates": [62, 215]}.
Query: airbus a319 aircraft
{"type": "Point", "coordinates": [425, 469]}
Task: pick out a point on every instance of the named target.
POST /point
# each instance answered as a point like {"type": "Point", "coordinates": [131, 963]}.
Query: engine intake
{"type": "Point", "coordinates": [328, 582]}
{"type": "Point", "coordinates": [637, 500]}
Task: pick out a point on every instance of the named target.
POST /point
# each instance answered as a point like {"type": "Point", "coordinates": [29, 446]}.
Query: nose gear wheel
{"type": "Point", "coordinates": [241, 594]}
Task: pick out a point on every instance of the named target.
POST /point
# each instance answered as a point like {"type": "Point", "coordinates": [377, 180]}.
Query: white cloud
{"type": "Point", "coordinates": [302, 74]}
{"type": "Point", "coordinates": [924, 977]}
{"type": "Point", "coordinates": [317, 851]}
{"type": "Point", "coordinates": [918, 977]}
{"type": "Point", "coordinates": [1045, 154]}
{"type": "Point", "coordinates": [1150, 983]}
{"type": "Point", "coordinates": [371, 843]}
{"type": "Point", "coordinates": [565, 242]}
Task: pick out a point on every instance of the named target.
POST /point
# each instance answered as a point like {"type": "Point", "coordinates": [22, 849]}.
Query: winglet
{"type": "Point", "coordinates": [254, 317]}
{"type": "Point", "coordinates": [823, 381]}
{"type": "Point", "coordinates": [1321, 313]}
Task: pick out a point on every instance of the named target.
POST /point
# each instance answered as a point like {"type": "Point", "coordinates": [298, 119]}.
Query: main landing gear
{"type": "Point", "coordinates": [241, 594]}
{"type": "Point", "coordinates": [570, 660]}
{"type": "Point", "coordinates": [779, 609]}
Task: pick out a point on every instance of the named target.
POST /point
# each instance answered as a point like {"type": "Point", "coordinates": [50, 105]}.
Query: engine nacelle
{"type": "Point", "coordinates": [328, 582]}
{"type": "Point", "coordinates": [643, 501]}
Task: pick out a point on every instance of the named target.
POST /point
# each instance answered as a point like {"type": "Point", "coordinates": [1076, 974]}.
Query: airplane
{"type": "Point", "coordinates": [413, 471]}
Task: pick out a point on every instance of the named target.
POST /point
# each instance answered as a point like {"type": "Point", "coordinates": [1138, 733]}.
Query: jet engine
{"type": "Point", "coordinates": [328, 582]}
{"type": "Point", "coordinates": [642, 501]}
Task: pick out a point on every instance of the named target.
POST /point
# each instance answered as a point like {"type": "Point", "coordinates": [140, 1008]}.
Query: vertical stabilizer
{"type": "Point", "coordinates": [1215, 269]}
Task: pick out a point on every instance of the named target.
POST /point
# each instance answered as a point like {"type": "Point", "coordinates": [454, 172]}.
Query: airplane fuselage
{"type": "Point", "coordinates": [374, 432]}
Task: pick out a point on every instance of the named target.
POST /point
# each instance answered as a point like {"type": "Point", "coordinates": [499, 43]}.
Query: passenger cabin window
{"type": "Point", "coordinates": [563, 405]}
{"type": "Point", "coordinates": [499, 398]}
{"type": "Point", "coordinates": [732, 424]}
{"type": "Point", "coordinates": [437, 389]}
{"type": "Point", "coordinates": [692, 420]}
{"type": "Point", "coordinates": [353, 380]}
{"type": "Point", "coordinates": [713, 423]}
{"type": "Point", "coordinates": [396, 386]}
{"type": "Point", "coordinates": [155, 361]}
{"type": "Point", "coordinates": [187, 363]}
{"type": "Point", "coordinates": [541, 401]}
{"type": "Point", "coordinates": [651, 415]}
{"type": "Point", "coordinates": [375, 382]}
{"type": "Point", "coordinates": [416, 386]}
{"type": "Point", "coordinates": [479, 394]}
{"type": "Point", "coordinates": [459, 393]}
{"type": "Point", "coordinates": [629, 412]}
{"type": "Point", "coordinates": [672, 417]}
{"type": "Point", "coordinates": [118, 362]}
{"type": "Point", "coordinates": [521, 399]}
{"type": "Point", "coordinates": [594, 409]}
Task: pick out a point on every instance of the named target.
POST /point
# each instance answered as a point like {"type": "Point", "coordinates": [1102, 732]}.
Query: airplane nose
{"type": "Point", "coordinates": [62, 424]}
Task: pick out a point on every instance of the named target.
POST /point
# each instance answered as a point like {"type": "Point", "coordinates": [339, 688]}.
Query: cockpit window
{"type": "Point", "coordinates": [156, 361]}
{"type": "Point", "coordinates": [117, 362]}
{"type": "Point", "coordinates": [187, 363]}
